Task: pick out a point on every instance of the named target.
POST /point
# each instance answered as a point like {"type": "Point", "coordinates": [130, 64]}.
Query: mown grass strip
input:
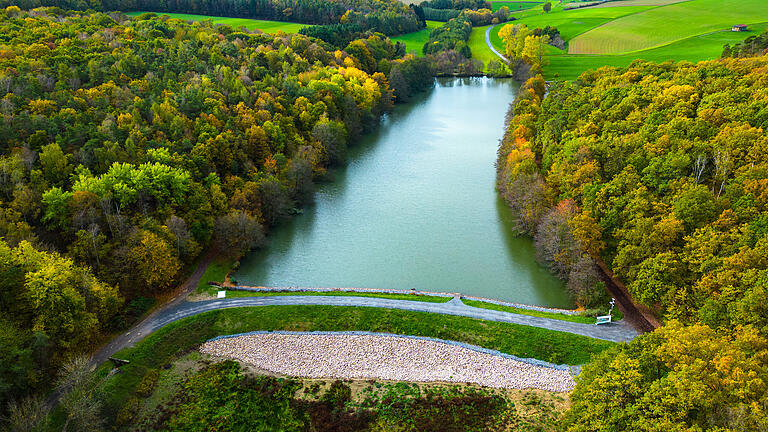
{"type": "Point", "coordinates": [165, 345]}
{"type": "Point", "coordinates": [478, 46]}
{"type": "Point", "coordinates": [529, 312]}
{"type": "Point", "coordinates": [410, 297]}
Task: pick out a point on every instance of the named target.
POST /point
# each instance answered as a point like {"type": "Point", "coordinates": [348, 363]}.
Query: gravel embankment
{"type": "Point", "coordinates": [384, 357]}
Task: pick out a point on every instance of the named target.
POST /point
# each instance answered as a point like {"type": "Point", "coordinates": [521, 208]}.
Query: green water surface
{"type": "Point", "coordinates": [415, 208]}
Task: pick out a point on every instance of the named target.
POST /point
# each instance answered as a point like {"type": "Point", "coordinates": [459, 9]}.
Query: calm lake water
{"type": "Point", "coordinates": [415, 208]}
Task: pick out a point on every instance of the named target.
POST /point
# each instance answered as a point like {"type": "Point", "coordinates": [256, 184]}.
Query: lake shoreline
{"type": "Point", "coordinates": [397, 291]}
{"type": "Point", "coordinates": [415, 208]}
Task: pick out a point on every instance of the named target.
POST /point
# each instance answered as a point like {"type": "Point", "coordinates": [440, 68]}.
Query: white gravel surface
{"type": "Point", "coordinates": [384, 357]}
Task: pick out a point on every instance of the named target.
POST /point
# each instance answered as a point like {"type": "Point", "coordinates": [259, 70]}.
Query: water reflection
{"type": "Point", "coordinates": [415, 208]}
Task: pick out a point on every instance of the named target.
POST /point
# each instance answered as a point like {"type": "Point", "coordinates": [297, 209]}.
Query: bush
{"type": "Point", "coordinates": [128, 411]}
{"type": "Point", "coordinates": [337, 395]}
{"type": "Point", "coordinates": [148, 383]}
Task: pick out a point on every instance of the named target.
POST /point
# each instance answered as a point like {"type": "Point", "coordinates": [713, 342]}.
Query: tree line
{"type": "Point", "coordinates": [660, 171]}
{"type": "Point", "coordinates": [390, 17]}
{"type": "Point", "coordinates": [751, 46]}
{"type": "Point", "coordinates": [524, 47]}
{"type": "Point", "coordinates": [448, 46]}
{"type": "Point", "coordinates": [130, 147]}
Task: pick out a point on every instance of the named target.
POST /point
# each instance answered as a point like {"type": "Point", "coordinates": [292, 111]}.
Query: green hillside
{"type": "Point", "coordinates": [667, 24]}
{"type": "Point", "coordinates": [251, 24]}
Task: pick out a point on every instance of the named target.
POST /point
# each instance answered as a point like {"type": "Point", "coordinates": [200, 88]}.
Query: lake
{"type": "Point", "coordinates": [415, 208]}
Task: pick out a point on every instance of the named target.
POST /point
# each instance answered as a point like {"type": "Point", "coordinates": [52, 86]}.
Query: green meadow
{"type": "Point", "coordinates": [694, 49]}
{"type": "Point", "coordinates": [415, 41]}
{"type": "Point", "coordinates": [478, 46]}
{"type": "Point", "coordinates": [692, 30]}
{"type": "Point", "coordinates": [574, 22]}
{"type": "Point", "coordinates": [512, 5]}
{"type": "Point", "coordinates": [667, 24]}
{"type": "Point", "coordinates": [251, 24]}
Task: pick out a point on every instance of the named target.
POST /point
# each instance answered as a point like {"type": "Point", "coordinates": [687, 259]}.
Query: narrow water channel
{"type": "Point", "coordinates": [415, 208]}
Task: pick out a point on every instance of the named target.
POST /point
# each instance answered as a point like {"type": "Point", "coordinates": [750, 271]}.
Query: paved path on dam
{"type": "Point", "coordinates": [616, 332]}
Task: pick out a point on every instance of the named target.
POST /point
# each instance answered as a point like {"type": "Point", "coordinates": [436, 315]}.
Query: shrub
{"type": "Point", "coordinates": [128, 411]}
{"type": "Point", "coordinates": [148, 383]}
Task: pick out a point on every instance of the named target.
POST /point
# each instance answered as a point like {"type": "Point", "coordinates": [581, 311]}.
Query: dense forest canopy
{"type": "Point", "coordinates": [661, 171]}
{"type": "Point", "coordinates": [390, 17]}
{"type": "Point", "coordinates": [129, 147]}
{"type": "Point", "coordinates": [667, 167]}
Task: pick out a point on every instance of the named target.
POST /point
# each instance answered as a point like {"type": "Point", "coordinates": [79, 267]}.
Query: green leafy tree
{"type": "Point", "coordinates": [56, 167]}
{"type": "Point", "coordinates": [154, 262]}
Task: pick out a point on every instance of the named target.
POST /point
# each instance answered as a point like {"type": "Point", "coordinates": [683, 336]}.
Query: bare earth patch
{"type": "Point", "coordinates": [384, 357]}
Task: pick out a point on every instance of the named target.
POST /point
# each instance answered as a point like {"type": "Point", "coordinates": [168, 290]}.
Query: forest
{"type": "Point", "coordinates": [660, 171]}
{"type": "Point", "coordinates": [131, 147]}
{"type": "Point", "coordinates": [389, 17]}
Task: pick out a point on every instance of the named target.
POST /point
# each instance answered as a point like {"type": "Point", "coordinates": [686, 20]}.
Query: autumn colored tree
{"type": "Point", "coordinates": [677, 378]}
{"type": "Point", "coordinates": [237, 233]}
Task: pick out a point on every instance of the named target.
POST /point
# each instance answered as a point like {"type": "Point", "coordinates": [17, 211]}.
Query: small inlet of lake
{"type": "Point", "coordinates": [415, 208]}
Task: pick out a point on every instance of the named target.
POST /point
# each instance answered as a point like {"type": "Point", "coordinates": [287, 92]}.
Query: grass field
{"type": "Point", "coordinates": [415, 41]}
{"type": "Point", "coordinates": [574, 22]}
{"type": "Point", "coordinates": [513, 5]}
{"type": "Point", "coordinates": [666, 24]}
{"type": "Point", "coordinates": [478, 46]}
{"type": "Point", "coordinates": [694, 49]}
{"type": "Point", "coordinates": [250, 24]}
{"type": "Point", "coordinates": [216, 271]}
{"type": "Point", "coordinates": [176, 339]}
{"type": "Point", "coordinates": [638, 3]}
{"type": "Point", "coordinates": [579, 23]}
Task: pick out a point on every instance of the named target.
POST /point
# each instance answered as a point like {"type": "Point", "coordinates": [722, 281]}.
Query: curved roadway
{"type": "Point", "coordinates": [616, 332]}
{"type": "Point", "coordinates": [490, 45]}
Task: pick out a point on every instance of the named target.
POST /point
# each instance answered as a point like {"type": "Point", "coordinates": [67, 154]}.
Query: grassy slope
{"type": "Point", "coordinates": [695, 49]}
{"type": "Point", "coordinates": [176, 339]}
{"type": "Point", "coordinates": [572, 23]}
{"type": "Point", "coordinates": [415, 41]}
{"type": "Point", "coordinates": [216, 271]}
{"type": "Point", "coordinates": [558, 316]}
{"type": "Point", "coordinates": [411, 297]}
{"type": "Point", "coordinates": [478, 46]}
{"type": "Point", "coordinates": [667, 24]}
{"type": "Point", "coordinates": [639, 3]}
{"type": "Point", "coordinates": [250, 24]}
{"type": "Point", "coordinates": [513, 6]}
